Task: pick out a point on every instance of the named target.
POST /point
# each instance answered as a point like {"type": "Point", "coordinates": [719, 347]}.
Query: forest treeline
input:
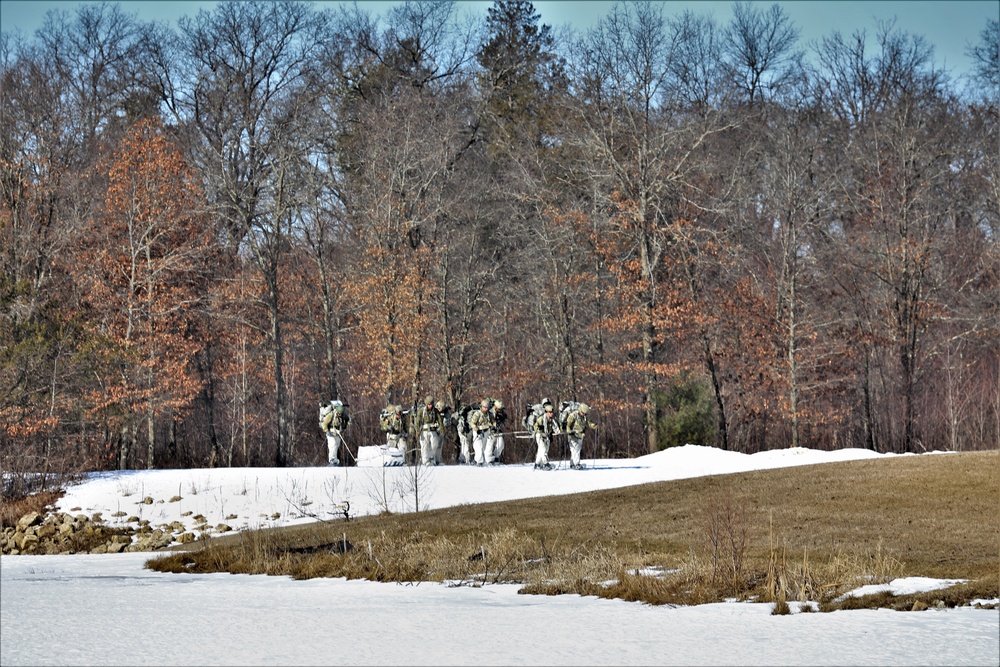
{"type": "Point", "coordinates": [711, 233]}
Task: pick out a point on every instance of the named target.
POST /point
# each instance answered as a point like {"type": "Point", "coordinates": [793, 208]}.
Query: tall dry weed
{"type": "Point", "coordinates": [728, 530]}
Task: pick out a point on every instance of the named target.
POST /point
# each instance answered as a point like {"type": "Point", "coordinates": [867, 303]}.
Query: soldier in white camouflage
{"type": "Point", "coordinates": [495, 449]}
{"type": "Point", "coordinates": [481, 423]}
{"type": "Point", "coordinates": [544, 428]}
{"type": "Point", "coordinates": [445, 413]}
{"type": "Point", "coordinates": [429, 425]}
{"type": "Point", "coordinates": [577, 424]}
{"type": "Point", "coordinates": [462, 416]}
{"type": "Point", "coordinates": [333, 424]}
{"type": "Point", "coordinates": [394, 428]}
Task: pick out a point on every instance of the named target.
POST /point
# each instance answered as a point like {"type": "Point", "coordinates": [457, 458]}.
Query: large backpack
{"type": "Point", "coordinates": [461, 418]}
{"type": "Point", "coordinates": [566, 408]}
{"type": "Point", "coordinates": [501, 417]}
{"type": "Point", "coordinates": [531, 415]}
{"type": "Point", "coordinates": [324, 410]}
{"type": "Point", "coordinates": [382, 417]}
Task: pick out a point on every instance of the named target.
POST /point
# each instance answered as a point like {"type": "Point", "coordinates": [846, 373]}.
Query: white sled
{"type": "Point", "coordinates": [378, 456]}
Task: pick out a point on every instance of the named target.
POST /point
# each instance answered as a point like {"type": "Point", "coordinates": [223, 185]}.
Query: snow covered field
{"type": "Point", "coordinates": [108, 610]}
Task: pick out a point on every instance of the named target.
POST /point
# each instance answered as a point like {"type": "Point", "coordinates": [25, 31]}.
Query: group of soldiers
{"type": "Point", "coordinates": [480, 431]}
{"type": "Point", "coordinates": [574, 424]}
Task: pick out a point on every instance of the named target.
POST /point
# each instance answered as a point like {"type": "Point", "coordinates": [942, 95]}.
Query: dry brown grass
{"type": "Point", "coordinates": [13, 509]}
{"type": "Point", "coordinates": [806, 533]}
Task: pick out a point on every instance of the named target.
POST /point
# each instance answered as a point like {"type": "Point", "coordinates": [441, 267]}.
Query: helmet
{"type": "Point", "coordinates": [498, 404]}
{"type": "Point", "coordinates": [549, 408]}
{"type": "Point", "coordinates": [584, 408]}
{"type": "Point", "coordinates": [429, 400]}
{"type": "Point", "coordinates": [340, 409]}
{"type": "Point", "coordinates": [439, 405]}
{"type": "Point", "coordinates": [485, 403]}
{"type": "Point", "coordinates": [398, 409]}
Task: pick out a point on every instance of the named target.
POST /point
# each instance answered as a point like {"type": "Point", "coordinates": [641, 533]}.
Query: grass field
{"type": "Point", "coordinates": [803, 533]}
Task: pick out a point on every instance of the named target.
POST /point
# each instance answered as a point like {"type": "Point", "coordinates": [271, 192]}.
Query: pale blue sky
{"type": "Point", "coordinates": [949, 25]}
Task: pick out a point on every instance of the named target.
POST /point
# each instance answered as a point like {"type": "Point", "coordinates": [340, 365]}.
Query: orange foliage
{"type": "Point", "coordinates": [146, 256]}
{"type": "Point", "coordinates": [390, 295]}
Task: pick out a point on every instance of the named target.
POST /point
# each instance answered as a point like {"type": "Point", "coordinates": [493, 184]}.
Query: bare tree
{"type": "Point", "coordinates": [405, 133]}
{"type": "Point", "coordinates": [898, 157]}
{"type": "Point", "coordinates": [986, 58]}
{"type": "Point", "coordinates": [642, 148]}
{"type": "Point", "coordinates": [249, 69]}
{"type": "Point", "coordinates": [700, 70]}
{"type": "Point", "coordinates": [759, 46]}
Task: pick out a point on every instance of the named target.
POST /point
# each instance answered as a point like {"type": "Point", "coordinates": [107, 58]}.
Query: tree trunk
{"type": "Point", "coordinates": [282, 457]}
{"type": "Point", "coordinates": [720, 403]}
{"type": "Point", "coordinates": [652, 421]}
{"type": "Point", "coordinates": [151, 436]}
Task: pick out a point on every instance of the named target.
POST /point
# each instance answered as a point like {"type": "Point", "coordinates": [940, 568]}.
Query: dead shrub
{"type": "Point", "coordinates": [12, 509]}
{"type": "Point", "coordinates": [647, 588]}
{"type": "Point", "coordinates": [728, 529]}
{"type": "Point", "coordinates": [781, 608]}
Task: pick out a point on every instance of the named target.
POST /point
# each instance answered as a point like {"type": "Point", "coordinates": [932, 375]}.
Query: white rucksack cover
{"type": "Point", "coordinates": [531, 415]}
{"type": "Point", "coordinates": [566, 408]}
{"type": "Point", "coordinates": [326, 409]}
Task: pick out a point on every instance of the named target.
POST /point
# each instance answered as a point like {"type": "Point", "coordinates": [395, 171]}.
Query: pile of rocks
{"type": "Point", "coordinates": [62, 533]}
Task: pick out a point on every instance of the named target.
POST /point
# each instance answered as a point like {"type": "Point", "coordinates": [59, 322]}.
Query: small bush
{"type": "Point", "coordinates": [728, 525]}
{"type": "Point", "coordinates": [688, 413]}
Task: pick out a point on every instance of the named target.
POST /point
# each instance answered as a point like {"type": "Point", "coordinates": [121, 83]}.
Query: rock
{"type": "Point", "coordinates": [28, 542]}
{"type": "Point", "coordinates": [919, 606]}
{"type": "Point", "coordinates": [61, 533]}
